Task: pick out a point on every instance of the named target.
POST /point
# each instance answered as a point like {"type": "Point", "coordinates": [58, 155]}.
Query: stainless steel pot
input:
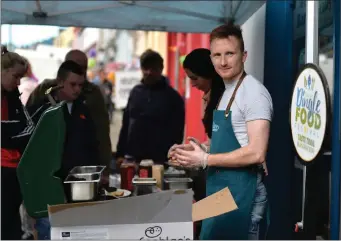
{"type": "Point", "coordinates": [86, 188]}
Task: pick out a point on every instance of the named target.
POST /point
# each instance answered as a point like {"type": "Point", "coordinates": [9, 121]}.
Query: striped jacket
{"type": "Point", "coordinates": [16, 128]}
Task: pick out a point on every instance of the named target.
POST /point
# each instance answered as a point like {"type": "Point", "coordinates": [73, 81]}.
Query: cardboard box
{"type": "Point", "coordinates": [167, 215]}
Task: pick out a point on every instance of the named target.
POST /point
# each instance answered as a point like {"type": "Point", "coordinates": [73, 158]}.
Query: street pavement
{"type": "Point", "coordinates": [115, 128]}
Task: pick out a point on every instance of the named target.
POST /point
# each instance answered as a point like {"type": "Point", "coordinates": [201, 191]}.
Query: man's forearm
{"type": "Point", "coordinates": [243, 156]}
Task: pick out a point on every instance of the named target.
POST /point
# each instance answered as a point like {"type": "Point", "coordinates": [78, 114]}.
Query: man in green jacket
{"type": "Point", "coordinates": [94, 100]}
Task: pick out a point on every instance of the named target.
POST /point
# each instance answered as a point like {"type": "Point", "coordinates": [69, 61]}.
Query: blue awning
{"type": "Point", "coordinates": [170, 16]}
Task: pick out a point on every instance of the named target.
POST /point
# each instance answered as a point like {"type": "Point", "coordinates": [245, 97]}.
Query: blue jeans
{"type": "Point", "coordinates": [258, 209]}
{"type": "Point", "coordinates": [43, 228]}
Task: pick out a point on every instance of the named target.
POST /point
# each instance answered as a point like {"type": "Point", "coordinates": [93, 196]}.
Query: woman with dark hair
{"type": "Point", "coordinates": [199, 68]}
{"type": "Point", "coordinates": [201, 72]}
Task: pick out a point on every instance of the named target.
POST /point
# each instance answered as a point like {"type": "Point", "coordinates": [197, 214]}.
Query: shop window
{"type": "Point", "coordinates": [326, 48]}
{"type": "Point", "coordinates": [299, 35]}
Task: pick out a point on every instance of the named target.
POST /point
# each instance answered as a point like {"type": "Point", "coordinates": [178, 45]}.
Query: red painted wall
{"type": "Point", "coordinates": [186, 42]}
{"type": "Point", "coordinates": [171, 39]}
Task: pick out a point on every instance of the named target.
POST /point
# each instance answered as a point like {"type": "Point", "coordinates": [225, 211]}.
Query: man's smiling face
{"type": "Point", "coordinates": [227, 57]}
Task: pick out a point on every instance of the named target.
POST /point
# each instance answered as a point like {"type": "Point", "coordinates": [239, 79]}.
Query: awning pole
{"type": "Point", "coordinates": [311, 41]}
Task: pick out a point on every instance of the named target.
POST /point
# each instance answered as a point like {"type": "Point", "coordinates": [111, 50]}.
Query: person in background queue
{"type": "Point", "coordinates": [107, 89]}
{"type": "Point", "coordinates": [154, 117]}
{"type": "Point", "coordinates": [97, 108]}
{"type": "Point", "coordinates": [16, 129]}
{"type": "Point", "coordinates": [95, 103]}
{"type": "Point", "coordinates": [240, 133]}
{"type": "Point", "coordinates": [80, 146]}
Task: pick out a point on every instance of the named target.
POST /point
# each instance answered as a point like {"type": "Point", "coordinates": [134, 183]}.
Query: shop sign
{"type": "Point", "coordinates": [309, 112]}
{"type": "Point", "coordinates": [125, 81]}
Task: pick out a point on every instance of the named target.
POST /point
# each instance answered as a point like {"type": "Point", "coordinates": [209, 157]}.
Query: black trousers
{"type": "Point", "coordinates": [11, 200]}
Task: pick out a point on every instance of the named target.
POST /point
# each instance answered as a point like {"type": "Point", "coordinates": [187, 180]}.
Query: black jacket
{"type": "Point", "coordinates": [17, 129]}
{"type": "Point", "coordinates": [97, 108]}
{"type": "Point", "coordinates": [152, 122]}
{"type": "Point", "coordinates": [80, 146]}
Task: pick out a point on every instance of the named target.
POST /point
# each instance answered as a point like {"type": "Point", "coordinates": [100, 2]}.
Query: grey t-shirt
{"type": "Point", "coordinates": [252, 102]}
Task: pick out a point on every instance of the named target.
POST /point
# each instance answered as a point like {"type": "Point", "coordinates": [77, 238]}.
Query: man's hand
{"type": "Point", "coordinates": [191, 158]}
{"type": "Point", "coordinates": [171, 153]}
{"type": "Point", "coordinates": [187, 147]}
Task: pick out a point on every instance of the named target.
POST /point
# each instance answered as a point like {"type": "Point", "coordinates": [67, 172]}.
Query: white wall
{"type": "Point", "coordinates": [254, 40]}
{"type": "Point", "coordinates": [90, 36]}
{"type": "Point", "coordinates": [105, 36]}
{"type": "Point", "coordinates": [45, 60]}
{"type": "Point", "coordinates": [125, 47]}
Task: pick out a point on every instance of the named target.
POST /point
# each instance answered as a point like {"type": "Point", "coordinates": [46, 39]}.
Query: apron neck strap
{"type": "Point", "coordinates": [227, 111]}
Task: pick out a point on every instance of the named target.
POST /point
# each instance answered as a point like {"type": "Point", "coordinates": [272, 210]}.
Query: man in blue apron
{"type": "Point", "coordinates": [240, 133]}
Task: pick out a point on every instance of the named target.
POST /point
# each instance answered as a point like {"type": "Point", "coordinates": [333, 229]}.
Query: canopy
{"type": "Point", "coordinates": [170, 16]}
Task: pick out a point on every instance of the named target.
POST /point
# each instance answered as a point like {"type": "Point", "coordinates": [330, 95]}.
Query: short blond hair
{"type": "Point", "coordinates": [10, 59]}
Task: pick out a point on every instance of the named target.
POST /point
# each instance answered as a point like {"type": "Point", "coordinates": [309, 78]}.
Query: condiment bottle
{"type": "Point", "coordinates": [145, 169]}
{"type": "Point", "coordinates": [158, 171]}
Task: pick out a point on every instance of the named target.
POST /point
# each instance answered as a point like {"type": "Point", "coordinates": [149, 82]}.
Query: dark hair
{"type": "Point", "coordinates": [199, 63]}
{"type": "Point", "coordinates": [227, 30]}
{"type": "Point", "coordinates": [67, 67]}
{"type": "Point", "coordinates": [74, 51]}
{"type": "Point", "coordinates": [151, 59]}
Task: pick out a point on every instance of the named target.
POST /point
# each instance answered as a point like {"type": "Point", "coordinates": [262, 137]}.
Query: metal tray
{"type": "Point", "coordinates": [177, 183]}
{"type": "Point", "coordinates": [83, 190]}
{"type": "Point", "coordinates": [87, 169]}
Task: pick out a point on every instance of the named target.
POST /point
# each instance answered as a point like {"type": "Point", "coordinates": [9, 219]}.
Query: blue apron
{"type": "Point", "coordinates": [242, 182]}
